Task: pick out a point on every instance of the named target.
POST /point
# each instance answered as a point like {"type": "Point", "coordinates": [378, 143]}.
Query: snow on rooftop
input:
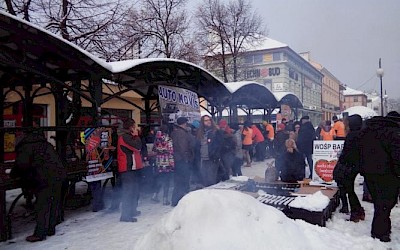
{"type": "Point", "coordinates": [265, 44]}
{"type": "Point", "coordinates": [350, 91]}
{"type": "Point", "coordinates": [98, 60]}
{"type": "Point", "coordinates": [234, 86]}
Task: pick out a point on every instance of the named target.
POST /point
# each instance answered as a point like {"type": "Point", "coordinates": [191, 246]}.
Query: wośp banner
{"type": "Point", "coordinates": [325, 157]}
{"type": "Point", "coordinates": [177, 102]}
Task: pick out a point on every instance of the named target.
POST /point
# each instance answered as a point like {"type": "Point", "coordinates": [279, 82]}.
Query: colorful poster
{"type": "Point", "coordinates": [177, 102]}
{"type": "Point", "coordinates": [98, 147]}
{"type": "Point", "coordinates": [325, 156]}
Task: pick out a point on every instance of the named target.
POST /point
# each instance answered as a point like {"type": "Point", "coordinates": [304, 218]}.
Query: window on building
{"type": "Point", "coordinates": [248, 59]}
{"type": "Point", "coordinates": [276, 56]}
{"type": "Point", "coordinates": [258, 58]}
{"type": "Point", "coordinates": [355, 99]}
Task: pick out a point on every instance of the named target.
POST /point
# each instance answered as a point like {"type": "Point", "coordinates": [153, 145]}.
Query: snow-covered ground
{"type": "Point", "coordinates": [204, 219]}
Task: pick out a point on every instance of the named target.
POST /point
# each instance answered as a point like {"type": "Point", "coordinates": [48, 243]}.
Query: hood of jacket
{"type": "Point", "coordinates": [355, 122]}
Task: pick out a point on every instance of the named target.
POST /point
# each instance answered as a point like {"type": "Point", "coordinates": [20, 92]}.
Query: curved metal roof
{"type": "Point", "coordinates": [32, 54]}
{"type": "Point", "coordinates": [251, 94]}
{"type": "Point", "coordinates": [143, 75]}
{"type": "Point", "coordinates": [288, 98]}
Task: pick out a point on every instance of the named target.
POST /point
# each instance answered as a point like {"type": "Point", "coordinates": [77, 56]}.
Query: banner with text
{"type": "Point", "coordinates": [325, 156]}
{"type": "Point", "coordinates": [177, 102]}
{"type": "Point", "coordinates": [98, 157]}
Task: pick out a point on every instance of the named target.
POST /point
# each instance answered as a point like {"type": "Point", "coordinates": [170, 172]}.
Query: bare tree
{"type": "Point", "coordinates": [19, 7]}
{"type": "Point", "coordinates": [163, 24]}
{"type": "Point", "coordinates": [94, 25]}
{"type": "Point", "coordinates": [229, 29]}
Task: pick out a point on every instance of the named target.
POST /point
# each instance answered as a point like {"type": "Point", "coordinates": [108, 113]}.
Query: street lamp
{"type": "Point", "coordinates": [379, 73]}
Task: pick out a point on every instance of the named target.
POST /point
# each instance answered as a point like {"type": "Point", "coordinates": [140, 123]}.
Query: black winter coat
{"type": "Point", "coordinates": [306, 138]}
{"type": "Point", "coordinates": [37, 163]}
{"type": "Point", "coordinates": [379, 144]}
{"type": "Point", "coordinates": [293, 167]}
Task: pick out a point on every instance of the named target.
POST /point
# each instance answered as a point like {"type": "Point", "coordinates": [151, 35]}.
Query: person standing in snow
{"type": "Point", "coordinates": [346, 170]}
{"type": "Point", "coordinates": [129, 166]}
{"type": "Point", "coordinates": [380, 165]}
{"type": "Point", "coordinates": [305, 141]}
{"type": "Point", "coordinates": [42, 172]}
{"type": "Point", "coordinates": [339, 128]}
{"type": "Point", "coordinates": [238, 157]}
{"type": "Point", "coordinates": [211, 139]}
{"type": "Point", "coordinates": [163, 147]}
{"type": "Point", "coordinates": [293, 164]}
{"type": "Point", "coordinates": [183, 144]}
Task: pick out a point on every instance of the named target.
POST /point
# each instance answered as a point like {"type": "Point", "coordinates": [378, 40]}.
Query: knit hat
{"type": "Point", "coordinates": [181, 120]}
{"type": "Point", "coordinates": [196, 124]}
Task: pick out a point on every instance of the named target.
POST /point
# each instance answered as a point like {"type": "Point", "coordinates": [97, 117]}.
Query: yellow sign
{"type": "Point", "coordinates": [9, 143]}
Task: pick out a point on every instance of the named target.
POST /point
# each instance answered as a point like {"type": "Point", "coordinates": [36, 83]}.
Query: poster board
{"type": "Point", "coordinates": [177, 102]}
{"type": "Point", "coordinates": [98, 156]}
{"type": "Point", "coordinates": [325, 157]}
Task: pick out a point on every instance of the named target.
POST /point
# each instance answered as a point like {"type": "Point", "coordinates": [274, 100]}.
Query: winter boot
{"type": "Point", "coordinates": [361, 213]}
{"type": "Point", "coordinates": [357, 215]}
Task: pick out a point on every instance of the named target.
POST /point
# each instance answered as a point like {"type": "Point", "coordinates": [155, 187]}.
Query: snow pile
{"type": "Point", "coordinates": [226, 219]}
{"type": "Point", "coordinates": [315, 202]}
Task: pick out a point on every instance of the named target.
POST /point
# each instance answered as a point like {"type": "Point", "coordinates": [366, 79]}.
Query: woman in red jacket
{"type": "Point", "coordinates": [129, 164]}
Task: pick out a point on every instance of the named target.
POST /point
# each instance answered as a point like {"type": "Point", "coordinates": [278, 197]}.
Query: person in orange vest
{"type": "Point", "coordinates": [339, 128]}
{"type": "Point", "coordinates": [270, 136]}
{"type": "Point", "coordinates": [247, 134]}
{"type": "Point", "coordinates": [259, 143]}
{"type": "Point", "coordinates": [327, 132]}
{"type": "Point", "coordinates": [129, 166]}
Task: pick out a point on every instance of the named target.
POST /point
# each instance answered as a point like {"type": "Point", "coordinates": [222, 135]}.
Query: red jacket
{"type": "Point", "coordinates": [129, 157]}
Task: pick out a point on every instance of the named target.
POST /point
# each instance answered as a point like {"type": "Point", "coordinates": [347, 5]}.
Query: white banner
{"type": "Point", "coordinates": [325, 156]}
{"type": "Point", "coordinates": [177, 102]}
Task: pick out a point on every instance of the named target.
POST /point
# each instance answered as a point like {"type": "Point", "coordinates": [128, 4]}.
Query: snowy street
{"type": "Point", "coordinates": [228, 220]}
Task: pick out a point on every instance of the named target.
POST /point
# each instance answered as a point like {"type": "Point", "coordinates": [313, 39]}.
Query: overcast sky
{"type": "Point", "coordinates": [346, 36]}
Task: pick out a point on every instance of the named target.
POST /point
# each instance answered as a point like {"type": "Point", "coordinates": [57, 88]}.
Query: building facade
{"type": "Point", "coordinates": [280, 69]}
{"type": "Point", "coordinates": [353, 98]}
{"type": "Point", "coordinates": [332, 90]}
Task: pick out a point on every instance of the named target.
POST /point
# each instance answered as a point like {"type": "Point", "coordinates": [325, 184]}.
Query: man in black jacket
{"type": "Point", "coordinates": [183, 144]}
{"type": "Point", "coordinates": [305, 141]}
{"type": "Point", "coordinates": [42, 172]}
{"type": "Point", "coordinates": [380, 165]}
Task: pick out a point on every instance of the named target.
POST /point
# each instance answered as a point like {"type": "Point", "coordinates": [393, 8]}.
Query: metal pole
{"type": "Point", "coordinates": [380, 77]}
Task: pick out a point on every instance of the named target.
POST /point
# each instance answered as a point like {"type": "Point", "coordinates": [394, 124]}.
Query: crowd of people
{"type": "Point", "coordinates": [204, 153]}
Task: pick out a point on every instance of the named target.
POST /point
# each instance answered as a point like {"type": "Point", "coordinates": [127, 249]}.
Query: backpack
{"type": "Point", "coordinates": [270, 172]}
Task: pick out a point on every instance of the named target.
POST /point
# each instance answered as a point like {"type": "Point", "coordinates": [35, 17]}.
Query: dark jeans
{"type": "Point", "coordinates": [227, 163]}
{"type": "Point", "coordinates": [270, 152]}
{"type": "Point", "coordinates": [346, 190]}
{"type": "Point", "coordinates": [181, 181]}
{"type": "Point", "coordinates": [130, 193]}
{"type": "Point", "coordinates": [97, 195]}
{"type": "Point", "coordinates": [237, 166]}
{"type": "Point", "coordinates": [260, 151]}
{"type": "Point", "coordinates": [48, 202]}
{"type": "Point", "coordinates": [384, 190]}
{"type": "Point", "coordinates": [209, 172]}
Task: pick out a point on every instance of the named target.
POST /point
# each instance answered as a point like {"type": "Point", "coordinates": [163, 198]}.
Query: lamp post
{"type": "Point", "coordinates": [379, 73]}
